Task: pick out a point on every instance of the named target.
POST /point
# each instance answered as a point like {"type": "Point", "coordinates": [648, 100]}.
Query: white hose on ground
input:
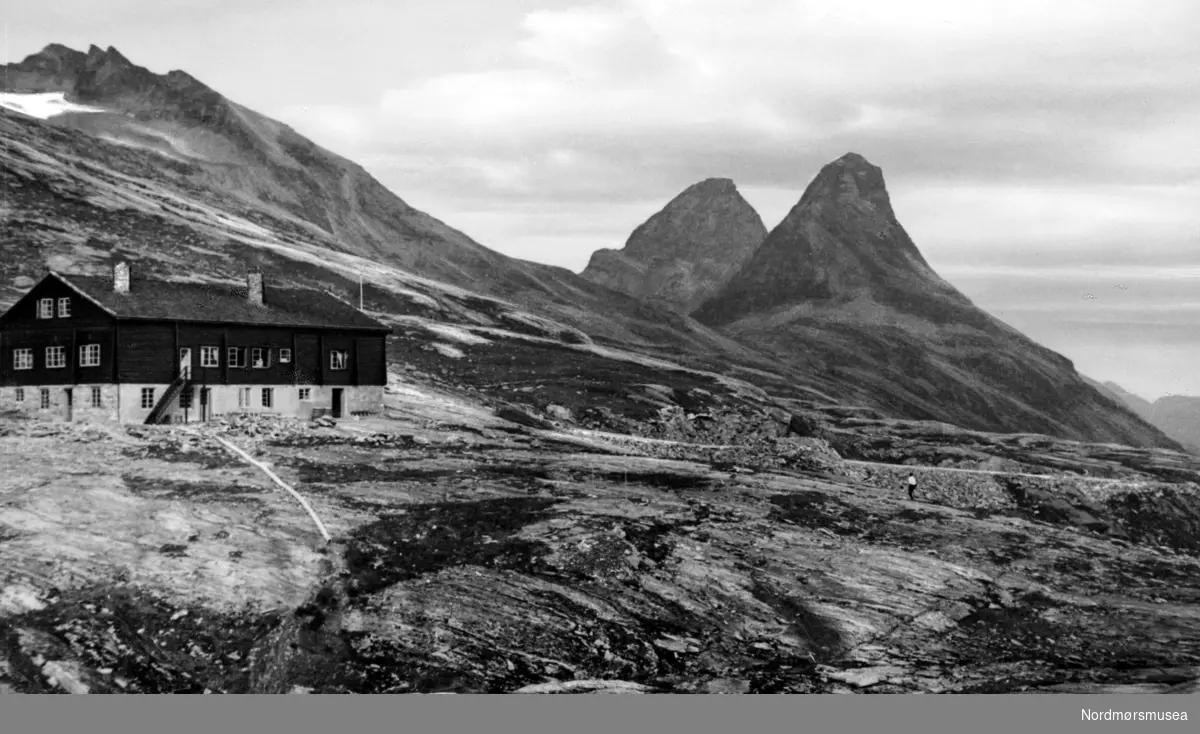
{"type": "Point", "coordinates": [303, 502]}
{"type": "Point", "coordinates": [597, 686]}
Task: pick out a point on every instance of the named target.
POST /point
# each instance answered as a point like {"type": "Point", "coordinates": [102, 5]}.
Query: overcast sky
{"type": "Point", "coordinates": [1043, 154]}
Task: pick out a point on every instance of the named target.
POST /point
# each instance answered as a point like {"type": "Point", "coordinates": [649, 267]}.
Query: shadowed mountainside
{"type": "Point", "coordinates": [192, 185]}
{"type": "Point", "coordinates": [686, 252]}
{"type": "Point", "coordinates": [188, 181]}
{"type": "Point", "coordinates": [840, 287]}
{"type": "Point", "coordinates": [1178, 416]}
{"type": "Point", "coordinates": [568, 490]}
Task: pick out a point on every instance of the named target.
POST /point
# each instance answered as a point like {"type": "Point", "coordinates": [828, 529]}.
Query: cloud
{"type": "Point", "coordinates": [1018, 135]}
{"type": "Point", "coordinates": [1032, 148]}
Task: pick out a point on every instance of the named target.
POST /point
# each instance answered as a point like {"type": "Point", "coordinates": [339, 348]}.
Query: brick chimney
{"type": "Point", "coordinates": [121, 277]}
{"type": "Point", "coordinates": [254, 287]}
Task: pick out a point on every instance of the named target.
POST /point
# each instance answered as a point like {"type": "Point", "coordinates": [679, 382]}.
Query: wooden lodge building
{"type": "Point", "coordinates": [136, 350]}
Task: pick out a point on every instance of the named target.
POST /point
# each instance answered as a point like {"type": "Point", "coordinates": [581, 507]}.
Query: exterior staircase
{"type": "Point", "coordinates": [159, 414]}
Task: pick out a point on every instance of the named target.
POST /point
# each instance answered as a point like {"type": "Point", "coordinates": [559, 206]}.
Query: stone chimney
{"type": "Point", "coordinates": [121, 277]}
{"type": "Point", "coordinates": [254, 287]}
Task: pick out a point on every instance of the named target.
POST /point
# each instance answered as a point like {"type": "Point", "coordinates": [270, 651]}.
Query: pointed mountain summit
{"type": "Point", "coordinates": [840, 290]}
{"type": "Point", "coordinates": [685, 252]}
{"type": "Point", "coordinates": [840, 242]}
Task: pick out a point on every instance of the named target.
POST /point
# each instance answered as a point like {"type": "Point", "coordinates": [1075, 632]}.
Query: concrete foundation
{"type": "Point", "coordinates": [123, 403]}
{"type": "Point", "coordinates": [83, 402]}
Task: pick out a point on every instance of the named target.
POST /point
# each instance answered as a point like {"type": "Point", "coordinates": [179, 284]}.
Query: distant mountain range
{"type": "Point", "coordinates": [840, 291]}
{"type": "Point", "coordinates": [835, 304]}
{"type": "Point", "coordinates": [1178, 416]}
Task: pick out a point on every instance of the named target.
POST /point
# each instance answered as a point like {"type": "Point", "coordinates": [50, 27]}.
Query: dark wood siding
{"type": "Point", "coordinates": [142, 352]}
{"type": "Point", "coordinates": [372, 360]}
{"type": "Point", "coordinates": [250, 338]}
{"type": "Point", "coordinates": [84, 313]}
{"type": "Point", "coordinates": [68, 338]}
{"type": "Point", "coordinates": [338, 342]}
{"type": "Point", "coordinates": [308, 359]}
{"type": "Point", "coordinates": [20, 328]}
{"type": "Point", "coordinates": [196, 337]}
{"type": "Point", "coordinates": [147, 352]}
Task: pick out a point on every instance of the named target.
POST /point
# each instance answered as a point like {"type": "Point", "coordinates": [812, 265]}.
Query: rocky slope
{"type": "Point", "coordinates": [839, 287]}
{"type": "Point", "coordinates": [472, 553]}
{"type": "Point", "coordinates": [686, 252]}
{"type": "Point", "coordinates": [231, 148]}
{"type": "Point", "coordinates": [177, 175]}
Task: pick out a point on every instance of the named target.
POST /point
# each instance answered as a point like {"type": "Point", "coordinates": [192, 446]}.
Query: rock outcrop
{"type": "Point", "coordinates": [839, 288]}
{"type": "Point", "coordinates": [686, 252]}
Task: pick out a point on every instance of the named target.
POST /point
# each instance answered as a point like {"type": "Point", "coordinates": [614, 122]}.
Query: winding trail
{"type": "Point", "coordinates": [992, 472]}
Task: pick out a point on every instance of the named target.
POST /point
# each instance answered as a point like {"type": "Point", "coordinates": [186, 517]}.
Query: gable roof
{"type": "Point", "coordinates": [163, 300]}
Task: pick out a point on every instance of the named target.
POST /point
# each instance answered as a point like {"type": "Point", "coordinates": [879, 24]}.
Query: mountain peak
{"type": "Point", "coordinates": [850, 180]}
{"type": "Point", "coordinates": [686, 251]}
{"type": "Point", "coordinates": [106, 78]}
{"type": "Point", "coordinates": [713, 186]}
{"type": "Point", "coordinates": [112, 55]}
{"type": "Point", "coordinates": [841, 242]}
{"type": "Point", "coordinates": [853, 160]}
{"type": "Point", "coordinates": [56, 50]}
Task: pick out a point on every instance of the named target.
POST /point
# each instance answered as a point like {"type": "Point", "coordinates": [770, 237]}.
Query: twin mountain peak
{"type": "Point", "coordinates": [708, 253]}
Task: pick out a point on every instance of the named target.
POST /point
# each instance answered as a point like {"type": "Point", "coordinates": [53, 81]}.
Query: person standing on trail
{"type": "Point", "coordinates": [912, 485]}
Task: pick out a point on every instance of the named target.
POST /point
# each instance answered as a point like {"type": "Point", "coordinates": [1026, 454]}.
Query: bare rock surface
{"type": "Point", "coordinates": [475, 555]}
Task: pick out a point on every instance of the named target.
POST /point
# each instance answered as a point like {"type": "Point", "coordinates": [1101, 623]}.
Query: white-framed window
{"type": "Point", "coordinates": [45, 398]}
{"type": "Point", "coordinates": [235, 356]}
{"type": "Point", "coordinates": [243, 397]}
{"type": "Point", "coordinates": [45, 308]}
{"type": "Point", "coordinates": [285, 356]}
{"type": "Point", "coordinates": [56, 357]}
{"type": "Point", "coordinates": [147, 398]}
{"type": "Point", "coordinates": [268, 397]}
{"type": "Point", "coordinates": [22, 359]}
{"type": "Point", "coordinates": [97, 398]}
{"type": "Point", "coordinates": [210, 357]}
{"type": "Point", "coordinates": [306, 393]}
{"type": "Point", "coordinates": [64, 308]}
{"type": "Point", "coordinates": [20, 396]}
{"type": "Point", "coordinates": [337, 359]}
{"type": "Point", "coordinates": [260, 357]}
{"type": "Point", "coordinates": [89, 355]}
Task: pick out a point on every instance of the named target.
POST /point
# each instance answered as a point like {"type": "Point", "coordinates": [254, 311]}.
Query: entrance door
{"type": "Point", "coordinates": [185, 362]}
{"type": "Point", "coordinates": [204, 400]}
{"type": "Point", "coordinates": [68, 404]}
{"type": "Point", "coordinates": [337, 402]}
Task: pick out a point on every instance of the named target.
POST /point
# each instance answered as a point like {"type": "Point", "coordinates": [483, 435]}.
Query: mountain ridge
{"type": "Point", "coordinates": [1178, 416]}
{"type": "Point", "coordinates": [840, 287]}
{"type": "Point", "coordinates": [840, 241]}
{"type": "Point", "coordinates": [248, 164]}
{"type": "Point", "coordinates": [193, 182]}
{"type": "Point", "coordinates": [685, 251]}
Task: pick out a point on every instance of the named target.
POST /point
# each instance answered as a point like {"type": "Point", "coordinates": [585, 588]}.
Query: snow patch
{"type": "Point", "coordinates": [18, 599]}
{"type": "Point", "coordinates": [455, 333]}
{"type": "Point", "coordinates": [448, 351]}
{"type": "Point", "coordinates": [42, 105]}
{"type": "Point", "coordinates": [65, 674]}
